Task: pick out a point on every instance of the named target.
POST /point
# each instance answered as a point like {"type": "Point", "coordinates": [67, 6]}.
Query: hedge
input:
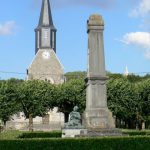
{"type": "Point", "coordinates": [54, 134]}
{"type": "Point", "coordinates": [136, 133]}
{"type": "Point", "coordinates": [115, 143]}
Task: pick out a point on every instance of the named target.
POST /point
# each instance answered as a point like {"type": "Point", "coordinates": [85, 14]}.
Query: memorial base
{"type": "Point", "coordinates": [101, 133]}
{"type": "Point", "coordinates": [100, 118]}
{"type": "Point", "coordinates": [71, 133]}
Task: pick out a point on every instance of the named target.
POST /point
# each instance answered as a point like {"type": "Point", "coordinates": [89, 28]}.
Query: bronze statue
{"type": "Point", "coordinates": [74, 119]}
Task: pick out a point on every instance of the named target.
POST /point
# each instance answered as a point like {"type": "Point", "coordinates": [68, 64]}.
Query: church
{"type": "Point", "coordinates": [45, 66]}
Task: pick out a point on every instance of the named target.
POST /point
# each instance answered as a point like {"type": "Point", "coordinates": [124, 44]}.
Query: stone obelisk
{"type": "Point", "coordinates": [97, 114]}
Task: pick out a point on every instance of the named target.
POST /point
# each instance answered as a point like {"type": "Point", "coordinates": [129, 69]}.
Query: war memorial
{"type": "Point", "coordinates": [92, 129]}
{"type": "Point", "coordinates": [97, 119]}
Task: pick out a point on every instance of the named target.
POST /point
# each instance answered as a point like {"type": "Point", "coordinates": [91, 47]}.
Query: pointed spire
{"type": "Point", "coordinates": [45, 32]}
{"type": "Point", "coordinates": [46, 16]}
{"type": "Point", "coordinates": [126, 73]}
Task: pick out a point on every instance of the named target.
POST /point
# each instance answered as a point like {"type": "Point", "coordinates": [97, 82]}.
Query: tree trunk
{"type": "Point", "coordinates": [137, 125]}
{"type": "Point", "coordinates": [4, 127]}
{"type": "Point", "coordinates": [66, 116]}
{"type": "Point", "coordinates": [4, 123]}
{"type": "Point", "coordinates": [126, 124]}
{"type": "Point", "coordinates": [143, 125]}
{"type": "Point", "coordinates": [118, 123]}
{"type": "Point", "coordinates": [30, 122]}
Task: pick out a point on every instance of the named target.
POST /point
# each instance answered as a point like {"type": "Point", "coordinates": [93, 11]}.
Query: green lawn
{"type": "Point", "coordinates": [9, 140]}
{"type": "Point", "coordinates": [12, 134]}
{"type": "Point", "coordinates": [15, 134]}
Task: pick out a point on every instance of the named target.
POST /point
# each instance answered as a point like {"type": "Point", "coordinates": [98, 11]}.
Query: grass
{"type": "Point", "coordinates": [136, 132]}
{"type": "Point", "coordinates": [12, 134]}
{"type": "Point", "coordinates": [9, 140]}
{"type": "Point", "coordinates": [15, 134]}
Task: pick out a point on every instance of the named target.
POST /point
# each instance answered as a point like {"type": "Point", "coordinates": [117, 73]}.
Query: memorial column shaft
{"type": "Point", "coordinates": [96, 114]}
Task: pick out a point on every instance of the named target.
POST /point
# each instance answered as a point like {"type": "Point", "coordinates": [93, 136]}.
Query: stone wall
{"type": "Point", "coordinates": [52, 121]}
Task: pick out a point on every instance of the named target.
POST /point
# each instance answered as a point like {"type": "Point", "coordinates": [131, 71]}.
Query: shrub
{"type": "Point", "coordinates": [54, 134]}
{"type": "Point", "coordinates": [114, 143]}
{"type": "Point", "coordinates": [136, 133]}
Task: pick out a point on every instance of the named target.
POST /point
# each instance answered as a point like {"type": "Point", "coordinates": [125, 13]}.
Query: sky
{"type": "Point", "coordinates": [126, 34]}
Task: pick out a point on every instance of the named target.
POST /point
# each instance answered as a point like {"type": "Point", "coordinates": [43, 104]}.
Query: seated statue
{"type": "Point", "coordinates": [74, 119]}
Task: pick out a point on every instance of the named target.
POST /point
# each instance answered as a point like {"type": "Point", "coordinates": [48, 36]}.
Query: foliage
{"type": "Point", "coordinates": [111, 143]}
{"type": "Point", "coordinates": [131, 77]}
{"type": "Point", "coordinates": [15, 134]}
{"type": "Point", "coordinates": [136, 132]}
{"type": "Point", "coordinates": [144, 94]}
{"type": "Point", "coordinates": [70, 94]}
{"type": "Point", "coordinates": [122, 99]}
{"type": "Point", "coordinates": [52, 134]}
{"type": "Point", "coordinates": [8, 99]}
{"type": "Point", "coordinates": [134, 78]}
{"type": "Point", "coordinates": [35, 98]}
{"type": "Point", "coordinates": [75, 75]}
{"type": "Point", "coordinates": [147, 76]}
{"type": "Point", "coordinates": [114, 75]}
{"type": "Point", "coordinates": [128, 97]}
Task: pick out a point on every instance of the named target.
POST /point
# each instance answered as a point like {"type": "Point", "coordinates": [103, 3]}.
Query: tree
{"type": "Point", "coordinates": [8, 99]}
{"type": "Point", "coordinates": [114, 75]}
{"type": "Point", "coordinates": [147, 76]}
{"type": "Point", "coordinates": [69, 95]}
{"type": "Point", "coordinates": [122, 100]}
{"type": "Point", "coordinates": [144, 105]}
{"type": "Point", "coordinates": [134, 78]}
{"type": "Point", "coordinates": [35, 98]}
{"type": "Point", "coordinates": [75, 75]}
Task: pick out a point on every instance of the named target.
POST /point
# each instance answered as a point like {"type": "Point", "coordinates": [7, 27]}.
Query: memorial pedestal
{"type": "Point", "coordinates": [101, 133]}
{"type": "Point", "coordinates": [71, 133]}
{"type": "Point", "coordinates": [100, 118]}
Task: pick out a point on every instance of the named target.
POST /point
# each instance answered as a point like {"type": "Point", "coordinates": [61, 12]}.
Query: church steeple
{"type": "Point", "coordinates": [45, 31]}
{"type": "Point", "coordinates": [46, 16]}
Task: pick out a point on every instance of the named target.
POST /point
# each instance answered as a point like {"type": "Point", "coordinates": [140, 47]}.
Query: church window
{"type": "Point", "coordinates": [45, 34]}
{"type": "Point", "coordinates": [53, 39]}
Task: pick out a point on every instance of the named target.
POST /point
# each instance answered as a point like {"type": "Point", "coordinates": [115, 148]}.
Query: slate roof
{"type": "Point", "coordinates": [46, 19]}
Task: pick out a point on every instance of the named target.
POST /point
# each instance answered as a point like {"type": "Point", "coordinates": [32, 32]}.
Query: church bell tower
{"type": "Point", "coordinates": [46, 65]}
{"type": "Point", "coordinates": [45, 32]}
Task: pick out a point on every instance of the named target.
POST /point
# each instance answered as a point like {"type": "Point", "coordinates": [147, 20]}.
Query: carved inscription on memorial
{"type": "Point", "coordinates": [95, 122]}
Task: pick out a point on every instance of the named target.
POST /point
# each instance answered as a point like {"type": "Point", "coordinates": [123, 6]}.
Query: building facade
{"type": "Point", "coordinates": [45, 66]}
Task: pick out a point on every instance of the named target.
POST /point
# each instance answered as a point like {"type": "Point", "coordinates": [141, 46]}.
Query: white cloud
{"type": "Point", "coordinates": [139, 39]}
{"type": "Point", "coordinates": [142, 9]}
{"type": "Point", "coordinates": [7, 28]}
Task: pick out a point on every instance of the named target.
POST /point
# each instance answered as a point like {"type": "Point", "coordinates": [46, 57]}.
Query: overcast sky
{"type": "Point", "coordinates": [126, 35]}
